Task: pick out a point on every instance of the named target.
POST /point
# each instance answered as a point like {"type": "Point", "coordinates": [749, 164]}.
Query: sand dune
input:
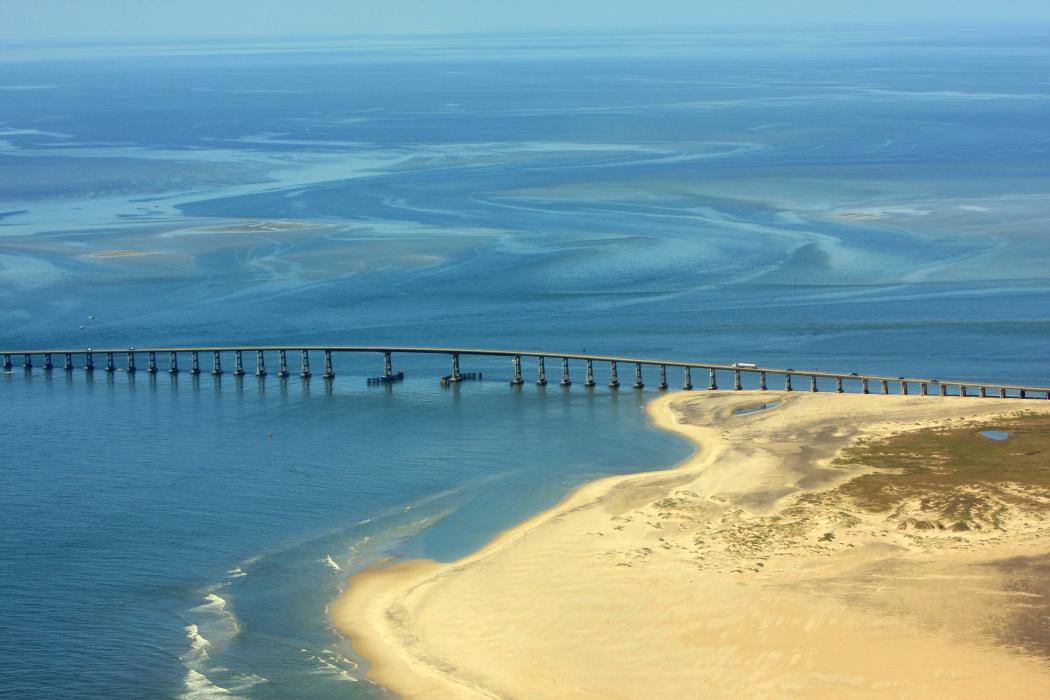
{"type": "Point", "coordinates": [734, 575]}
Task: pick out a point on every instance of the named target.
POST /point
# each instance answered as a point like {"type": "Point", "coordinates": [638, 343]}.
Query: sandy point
{"type": "Point", "coordinates": [739, 573]}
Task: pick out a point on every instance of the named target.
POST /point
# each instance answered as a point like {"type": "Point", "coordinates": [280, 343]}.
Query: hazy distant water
{"type": "Point", "coordinates": [856, 201]}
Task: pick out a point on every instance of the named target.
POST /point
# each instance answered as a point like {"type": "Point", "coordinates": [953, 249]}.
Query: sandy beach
{"type": "Point", "coordinates": [749, 570]}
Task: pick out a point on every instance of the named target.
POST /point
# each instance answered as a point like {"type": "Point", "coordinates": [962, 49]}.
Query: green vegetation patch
{"type": "Point", "coordinates": [954, 475]}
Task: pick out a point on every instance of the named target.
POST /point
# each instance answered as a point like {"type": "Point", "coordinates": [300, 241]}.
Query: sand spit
{"type": "Point", "coordinates": [740, 573]}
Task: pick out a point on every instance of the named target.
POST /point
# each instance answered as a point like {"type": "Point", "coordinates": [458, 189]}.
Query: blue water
{"type": "Point", "coordinates": [869, 201]}
{"type": "Point", "coordinates": [998, 435]}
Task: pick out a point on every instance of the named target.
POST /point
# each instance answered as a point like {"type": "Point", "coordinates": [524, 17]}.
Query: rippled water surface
{"type": "Point", "coordinates": [851, 201]}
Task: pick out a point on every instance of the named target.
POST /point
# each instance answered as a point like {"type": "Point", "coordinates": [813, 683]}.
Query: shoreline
{"type": "Point", "coordinates": [610, 592]}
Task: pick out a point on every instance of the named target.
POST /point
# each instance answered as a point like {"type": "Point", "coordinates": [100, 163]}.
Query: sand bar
{"type": "Point", "coordinates": [733, 575]}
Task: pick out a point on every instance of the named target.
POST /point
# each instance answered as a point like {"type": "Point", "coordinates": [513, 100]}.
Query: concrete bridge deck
{"type": "Point", "coordinates": [865, 381]}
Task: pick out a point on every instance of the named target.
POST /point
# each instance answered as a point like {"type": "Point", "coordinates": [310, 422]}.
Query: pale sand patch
{"type": "Point", "coordinates": [119, 252]}
{"type": "Point", "coordinates": [693, 582]}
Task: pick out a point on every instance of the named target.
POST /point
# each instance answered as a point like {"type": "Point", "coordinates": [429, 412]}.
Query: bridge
{"type": "Point", "coordinates": [734, 373]}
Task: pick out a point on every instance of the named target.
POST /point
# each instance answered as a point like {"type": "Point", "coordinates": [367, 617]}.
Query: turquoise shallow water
{"type": "Point", "coordinates": [867, 201]}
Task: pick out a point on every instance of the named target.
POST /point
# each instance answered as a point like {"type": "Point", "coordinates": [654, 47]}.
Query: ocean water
{"type": "Point", "coordinates": [854, 200]}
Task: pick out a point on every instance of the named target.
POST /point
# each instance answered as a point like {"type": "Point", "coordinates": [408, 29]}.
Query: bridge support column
{"type": "Point", "coordinates": [1022, 394]}
{"type": "Point", "coordinates": [712, 380]}
{"type": "Point", "coordinates": [260, 364]}
{"type": "Point", "coordinates": [864, 387]}
{"type": "Point", "coordinates": [663, 378]}
{"type": "Point", "coordinates": [787, 383]}
{"type": "Point", "coordinates": [330, 374]}
{"type": "Point", "coordinates": [982, 392]}
{"type": "Point", "coordinates": [238, 363]}
{"type": "Point", "coordinates": [762, 381]}
{"type": "Point", "coordinates": [736, 380]}
{"type": "Point", "coordinates": [455, 376]}
{"type": "Point", "coordinates": [67, 362]}
{"type": "Point", "coordinates": [942, 389]}
{"type": "Point", "coordinates": [110, 367]}
{"type": "Point", "coordinates": [962, 390]}
{"type": "Point", "coordinates": [48, 366]}
{"type": "Point", "coordinates": [904, 388]}
{"type": "Point", "coordinates": [173, 363]}
{"type": "Point", "coordinates": [89, 362]}
{"type": "Point", "coordinates": [884, 386]}
{"type": "Point", "coordinates": [151, 362]}
{"type": "Point", "coordinates": [130, 368]}
{"type": "Point", "coordinates": [388, 365]}
{"type": "Point", "coordinates": [813, 383]}
{"type": "Point", "coordinates": [216, 363]}
{"type": "Point", "coordinates": [282, 364]}
{"type": "Point", "coordinates": [589, 380]}
{"type": "Point", "coordinates": [195, 363]}
{"type": "Point", "coordinates": [924, 389]}
{"type": "Point", "coordinates": [566, 380]}
{"type": "Point", "coordinates": [687, 379]}
{"type": "Point", "coordinates": [27, 361]}
{"type": "Point", "coordinates": [516, 380]}
{"type": "Point", "coordinates": [614, 381]}
{"type": "Point", "coordinates": [638, 383]}
{"type": "Point", "coordinates": [1002, 393]}
{"type": "Point", "coordinates": [7, 362]}
{"type": "Point", "coordinates": [541, 372]}
{"type": "Point", "coordinates": [838, 385]}
{"type": "Point", "coordinates": [304, 364]}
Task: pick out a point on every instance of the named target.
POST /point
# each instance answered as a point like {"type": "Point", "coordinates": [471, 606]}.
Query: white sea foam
{"type": "Point", "coordinates": [333, 665]}
{"type": "Point", "coordinates": [330, 563]}
{"type": "Point", "coordinates": [198, 645]}
{"type": "Point", "coordinates": [199, 687]}
{"type": "Point", "coordinates": [236, 572]}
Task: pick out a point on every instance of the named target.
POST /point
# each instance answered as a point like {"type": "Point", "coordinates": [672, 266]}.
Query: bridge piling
{"type": "Point", "coordinates": [663, 378]}
{"type": "Point", "coordinates": [638, 383]}
{"type": "Point", "coordinates": [541, 372]}
{"type": "Point", "coordinates": [388, 367]}
{"type": "Point", "coordinates": [260, 364]}
{"type": "Point", "coordinates": [884, 387]}
{"type": "Point", "coordinates": [516, 379]}
{"type": "Point", "coordinates": [67, 362]}
{"type": "Point", "coordinates": [238, 363]}
{"type": "Point", "coordinates": [7, 362]}
{"type": "Point", "coordinates": [304, 364]}
{"type": "Point", "coordinates": [687, 379]}
{"type": "Point", "coordinates": [736, 380]}
{"type": "Point", "coordinates": [1021, 393]}
{"type": "Point", "coordinates": [1002, 393]}
{"type": "Point", "coordinates": [110, 367]}
{"type": "Point", "coordinates": [456, 375]}
{"type": "Point", "coordinates": [787, 382]}
{"type": "Point", "coordinates": [173, 363]}
{"type": "Point", "coordinates": [813, 383]}
{"type": "Point", "coordinates": [963, 390]}
{"type": "Point", "coordinates": [330, 374]}
{"type": "Point", "coordinates": [566, 380]}
{"type": "Point", "coordinates": [904, 388]}
{"type": "Point", "coordinates": [864, 387]}
{"type": "Point", "coordinates": [27, 361]}
{"type": "Point", "coordinates": [838, 385]}
{"type": "Point", "coordinates": [924, 389]}
{"type": "Point", "coordinates": [216, 363]}
{"type": "Point", "coordinates": [712, 383]}
{"type": "Point", "coordinates": [48, 366]}
{"type": "Point", "coordinates": [195, 363]}
{"type": "Point", "coordinates": [942, 389]}
{"type": "Point", "coordinates": [151, 363]}
{"type": "Point", "coordinates": [589, 380]}
{"type": "Point", "coordinates": [282, 364]}
{"type": "Point", "coordinates": [614, 381]}
{"type": "Point", "coordinates": [982, 392]}
{"type": "Point", "coordinates": [89, 362]}
{"type": "Point", "coordinates": [762, 381]}
{"type": "Point", "coordinates": [130, 367]}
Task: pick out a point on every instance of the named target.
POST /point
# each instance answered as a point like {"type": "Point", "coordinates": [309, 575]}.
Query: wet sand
{"type": "Point", "coordinates": [734, 574]}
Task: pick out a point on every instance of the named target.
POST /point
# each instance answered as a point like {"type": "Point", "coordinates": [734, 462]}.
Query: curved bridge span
{"type": "Point", "coordinates": [735, 374]}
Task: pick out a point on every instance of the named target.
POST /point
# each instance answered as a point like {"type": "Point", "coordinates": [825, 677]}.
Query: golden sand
{"type": "Point", "coordinates": [724, 577]}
